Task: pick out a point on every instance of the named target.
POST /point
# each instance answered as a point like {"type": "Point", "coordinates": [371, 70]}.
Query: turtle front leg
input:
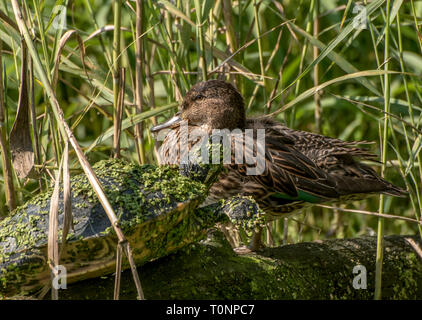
{"type": "Point", "coordinates": [254, 245]}
{"type": "Point", "coordinates": [244, 212]}
{"type": "Point", "coordinates": [256, 242]}
{"type": "Point", "coordinates": [231, 233]}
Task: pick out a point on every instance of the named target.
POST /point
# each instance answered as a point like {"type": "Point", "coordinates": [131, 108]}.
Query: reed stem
{"type": "Point", "coordinates": [4, 146]}
{"type": "Point", "coordinates": [380, 235]}
{"type": "Point", "coordinates": [116, 65]}
{"type": "Point", "coordinates": [139, 66]}
{"type": "Point", "coordinates": [66, 132]}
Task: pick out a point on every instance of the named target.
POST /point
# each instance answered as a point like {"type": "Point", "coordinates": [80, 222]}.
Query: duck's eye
{"type": "Point", "coordinates": [198, 97]}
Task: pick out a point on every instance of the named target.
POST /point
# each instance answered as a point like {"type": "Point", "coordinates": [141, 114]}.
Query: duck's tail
{"type": "Point", "coordinates": [358, 178]}
{"type": "Point", "coordinates": [392, 190]}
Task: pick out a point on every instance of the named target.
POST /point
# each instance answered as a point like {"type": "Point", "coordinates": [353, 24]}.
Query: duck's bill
{"type": "Point", "coordinates": [173, 122]}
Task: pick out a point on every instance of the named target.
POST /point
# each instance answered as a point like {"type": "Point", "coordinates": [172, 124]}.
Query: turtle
{"type": "Point", "coordinates": [159, 211]}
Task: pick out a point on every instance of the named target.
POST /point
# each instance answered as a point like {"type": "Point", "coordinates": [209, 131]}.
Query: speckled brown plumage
{"type": "Point", "coordinates": [301, 168]}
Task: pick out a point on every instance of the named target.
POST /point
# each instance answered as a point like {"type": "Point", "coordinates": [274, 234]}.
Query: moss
{"type": "Point", "coordinates": [405, 287]}
{"type": "Point", "coordinates": [244, 213]}
{"type": "Point", "coordinates": [160, 187]}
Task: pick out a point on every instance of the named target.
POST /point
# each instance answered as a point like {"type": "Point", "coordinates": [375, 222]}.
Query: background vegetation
{"type": "Point", "coordinates": [276, 52]}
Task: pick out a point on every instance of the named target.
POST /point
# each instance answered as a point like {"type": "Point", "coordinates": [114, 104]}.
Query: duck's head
{"type": "Point", "coordinates": [212, 104]}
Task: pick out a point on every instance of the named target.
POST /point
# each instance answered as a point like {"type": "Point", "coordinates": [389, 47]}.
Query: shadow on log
{"type": "Point", "coordinates": [313, 270]}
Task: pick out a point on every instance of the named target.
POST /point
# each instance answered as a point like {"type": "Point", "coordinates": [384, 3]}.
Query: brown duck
{"type": "Point", "coordinates": [301, 168]}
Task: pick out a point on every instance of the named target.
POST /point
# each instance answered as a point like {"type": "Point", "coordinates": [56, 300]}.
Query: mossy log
{"type": "Point", "coordinates": [312, 270]}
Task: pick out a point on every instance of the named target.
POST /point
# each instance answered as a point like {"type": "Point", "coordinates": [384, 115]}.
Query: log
{"type": "Point", "coordinates": [210, 269]}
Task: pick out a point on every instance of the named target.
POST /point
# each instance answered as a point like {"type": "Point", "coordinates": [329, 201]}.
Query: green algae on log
{"type": "Point", "coordinates": [155, 209]}
{"type": "Point", "coordinates": [309, 270]}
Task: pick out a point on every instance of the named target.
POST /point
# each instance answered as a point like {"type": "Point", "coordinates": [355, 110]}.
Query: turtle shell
{"type": "Point", "coordinates": [150, 202]}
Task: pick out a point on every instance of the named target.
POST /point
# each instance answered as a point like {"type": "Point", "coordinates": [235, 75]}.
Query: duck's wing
{"type": "Point", "coordinates": [323, 150]}
{"type": "Point", "coordinates": [288, 172]}
{"type": "Point", "coordinates": [338, 159]}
